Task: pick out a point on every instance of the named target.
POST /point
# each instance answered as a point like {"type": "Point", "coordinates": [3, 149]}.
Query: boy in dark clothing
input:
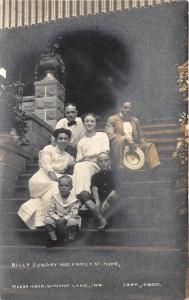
{"type": "Point", "coordinates": [103, 189]}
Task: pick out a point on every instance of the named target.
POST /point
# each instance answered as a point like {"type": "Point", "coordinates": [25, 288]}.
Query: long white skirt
{"type": "Point", "coordinates": [33, 211]}
{"type": "Point", "coordinates": [83, 171]}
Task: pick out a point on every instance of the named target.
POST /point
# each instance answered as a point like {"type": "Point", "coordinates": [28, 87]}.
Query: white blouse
{"type": "Point", "coordinates": [51, 158]}
{"type": "Point", "coordinates": [92, 145]}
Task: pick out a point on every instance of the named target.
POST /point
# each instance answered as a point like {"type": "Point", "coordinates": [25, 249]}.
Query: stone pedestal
{"type": "Point", "coordinates": [49, 99]}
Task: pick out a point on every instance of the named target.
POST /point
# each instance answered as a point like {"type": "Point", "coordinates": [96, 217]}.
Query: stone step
{"type": "Point", "coordinates": [147, 212]}
{"type": "Point", "coordinates": [132, 211]}
{"type": "Point", "coordinates": [162, 141]}
{"type": "Point", "coordinates": [133, 187]}
{"type": "Point", "coordinates": [162, 126]}
{"type": "Point", "coordinates": [133, 220]}
{"type": "Point", "coordinates": [31, 168]}
{"type": "Point", "coordinates": [146, 188]}
{"type": "Point", "coordinates": [146, 174]}
{"type": "Point", "coordinates": [141, 202]}
{"type": "Point", "coordinates": [154, 133]}
{"type": "Point", "coordinates": [135, 212]}
{"type": "Point", "coordinates": [166, 148]}
{"type": "Point", "coordinates": [126, 174]}
{"type": "Point", "coordinates": [124, 219]}
{"type": "Point", "coordinates": [156, 122]}
{"type": "Point", "coordinates": [90, 237]}
{"type": "Point", "coordinates": [22, 191]}
{"type": "Point", "coordinates": [13, 204]}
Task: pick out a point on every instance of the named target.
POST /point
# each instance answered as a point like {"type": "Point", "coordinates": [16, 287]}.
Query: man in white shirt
{"type": "Point", "coordinates": [124, 129]}
{"type": "Point", "coordinates": [74, 124]}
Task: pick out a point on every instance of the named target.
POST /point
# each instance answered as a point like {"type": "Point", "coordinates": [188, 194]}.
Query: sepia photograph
{"type": "Point", "coordinates": [94, 150]}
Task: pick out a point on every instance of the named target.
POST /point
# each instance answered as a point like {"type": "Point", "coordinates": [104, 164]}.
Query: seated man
{"type": "Point", "coordinates": [62, 212]}
{"type": "Point", "coordinates": [104, 195]}
{"type": "Point", "coordinates": [124, 129]}
{"type": "Point", "coordinates": [74, 124]}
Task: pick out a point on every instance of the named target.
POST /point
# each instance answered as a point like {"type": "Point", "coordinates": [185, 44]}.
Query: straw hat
{"type": "Point", "coordinates": [133, 159]}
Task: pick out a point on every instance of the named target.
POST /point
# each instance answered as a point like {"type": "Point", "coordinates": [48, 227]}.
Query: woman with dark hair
{"type": "Point", "coordinates": [53, 162]}
{"type": "Point", "coordinates": [88, 148]}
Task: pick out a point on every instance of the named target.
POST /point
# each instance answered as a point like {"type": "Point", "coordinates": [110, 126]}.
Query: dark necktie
{"type": "Point", "coordinates": [126, 119]}
{"type": "Point", "coordinates": [71, 123]}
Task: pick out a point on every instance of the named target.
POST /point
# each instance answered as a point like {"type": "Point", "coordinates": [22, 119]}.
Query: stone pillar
{"type": "Point", "coordinates": [49, 99]}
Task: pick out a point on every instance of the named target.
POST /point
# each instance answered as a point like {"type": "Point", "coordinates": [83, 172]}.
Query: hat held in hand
{"type": "Point", "coordinates": [133, 159]}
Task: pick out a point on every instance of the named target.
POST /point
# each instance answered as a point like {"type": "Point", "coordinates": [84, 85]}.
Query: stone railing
{"type": "Point", "coordinates": [14, 157]}
{"type": "Point", "coordinates": [28, 103]}
{"type": "Point", "coordinates": [13, 160]}
{"type": "Point", "coordinates": [38, 134]}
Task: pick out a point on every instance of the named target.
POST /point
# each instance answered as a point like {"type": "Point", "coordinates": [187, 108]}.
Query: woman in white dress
{"type": "Point", "coordinates": [88, 148]}
{"type": "Point", "coordinates": [53, 162]}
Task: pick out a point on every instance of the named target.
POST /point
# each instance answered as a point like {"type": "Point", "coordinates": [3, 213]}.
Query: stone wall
{"type": "Point", "coordinates": [28, 103]}
{"type": "Point", "coordinates": [13, 160]}
{"type": "Point", "coordinates": [38, 134]}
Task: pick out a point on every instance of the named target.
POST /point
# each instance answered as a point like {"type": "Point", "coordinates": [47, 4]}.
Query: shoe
{"type": "Point", "coordinates": [83, 208]}
{"type": "Point", "coordinates": [157, 170]}
{"type": "Point", "coordinates": [71, 236]}
{"type": "Point", "coordinates": [157, 167]}
{"type": "Point", "coordinates": [72, 232]}
{"type": "Point", "coordinates": [53, 236]}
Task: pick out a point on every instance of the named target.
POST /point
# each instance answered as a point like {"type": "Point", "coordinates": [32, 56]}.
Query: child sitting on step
{"type": "Point", "coordinates": [104, 195]}
{"type": "Point", "coordinates": [62, 213]}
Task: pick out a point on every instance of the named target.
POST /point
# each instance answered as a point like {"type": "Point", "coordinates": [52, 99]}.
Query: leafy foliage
{"type": "Point", "coordinates": [12, 115]}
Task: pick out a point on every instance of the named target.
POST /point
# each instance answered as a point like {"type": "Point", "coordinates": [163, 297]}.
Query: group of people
{"type": "Point", "coordinates": [76, 170]}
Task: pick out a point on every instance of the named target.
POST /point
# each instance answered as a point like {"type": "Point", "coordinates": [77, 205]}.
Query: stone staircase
{"type": "Point", "coordinates": [144, 244]}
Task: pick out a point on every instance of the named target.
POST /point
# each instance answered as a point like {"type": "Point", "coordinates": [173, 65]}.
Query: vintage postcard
{"type": "Point", "coordinates": [93, 150]}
